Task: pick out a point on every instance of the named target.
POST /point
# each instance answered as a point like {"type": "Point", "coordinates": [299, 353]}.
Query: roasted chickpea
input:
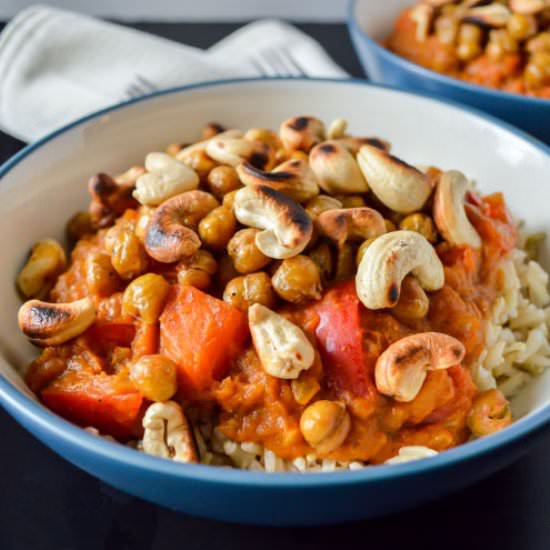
{"type": "Point", "coordinates": [297, 279]}
{"type": "Point", "coordinates": [223, 180]}
{"type": "Point", "coordinates": [197, 271]}
{"type": "Point", "coordinates": [145, 296]}
{"type": "Point", "coordinates": [217, 228]}
{"type": "Point", "coordinates": [322, 256]}
{"type": "Point", "coordinates": [212, 129]}
{"type": "Point", "coordinates": [490, 413]}
{"type": "Point", "coordinates": [539, 43]}
{"type": "Point", "coordinates": [390, 225]}
{"type": "Point", "coordinates": [199, 161]}
{"type": "Point", "coordinates": [264, 135]}
{"type": "Point", "coordinates": [229, 199]}
{"type": "Point", "coordinates": [362, 249]}
{"type": "Point", "coordinates": [246, 256]}
{"type": "Point", "coordinates": [155, 376]}
{"type": "Point", "coordinates": [446, 29]}
{"type": "Point", "coordinates": [127, 253]}
{"type": "Point", "coordinates": [469, 41]}
{"type": "Point", "coordinates": [226, 272]}
{"type": "Point", "coordinates": [79, 225]}
{"type": "Point", "coordinates": [421, 224]}
{"type": "Point", "coordinates": [345, 263]}
{"type": "Point", "coordinates": [537, 71]}
{"type": "Point", "coordinates": [500, 44]}
{"type": "Point", "coordinates": [254, 288]}
{"type": "Point", "coordinates": [101, 277]}
{"type": "Point", "coordinates": [413, 303]}
{"type": "Point", "coordinates": [320, 204]}
{"type": "Point", "coordinates": [351, 201]}
{"type": "Point", "coordinates": [521, 27]}
{"type": "Point", "coordinates": [325, 425]}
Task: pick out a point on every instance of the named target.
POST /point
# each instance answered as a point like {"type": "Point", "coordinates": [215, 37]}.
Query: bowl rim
{"type": "Point", "coordinates": [423, 72]}
{"type": "Point", "coordinates": [44, 421]}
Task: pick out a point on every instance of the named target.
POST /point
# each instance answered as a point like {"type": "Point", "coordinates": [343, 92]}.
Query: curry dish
{"type": "Point", "coordinates": [303, 296]}
{"type": "Point", "coordinates": [503, 45]}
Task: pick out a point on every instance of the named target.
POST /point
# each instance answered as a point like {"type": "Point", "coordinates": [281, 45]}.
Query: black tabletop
{"type": "Point", "coordinates": [46, 503]}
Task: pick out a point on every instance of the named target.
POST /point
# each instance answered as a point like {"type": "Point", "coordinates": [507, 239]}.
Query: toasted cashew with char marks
{"type": "Point", "coordinates": [293, 177]}
{"type": "Point", "coordinates": [388, 260]}
{"type": "Point", "coordinates": [235, 151]}
{"type": "Point", "coordinates": [282, 347]}
{"type": "Point", "coordinates": [165, 178]}
{"type": "Point", "coordinates": [344, 224]}
{"type": "Point", "coordinates": [167, 237]}
{"type": "Point", "coordinates": [168, 434]}
{"type": "Point", "coordinates": [449, 214]}
{"type": "Point", "coordinates": [336, 169]}
{"type": "Point", "coordinates": [354, 143]}
{"type": "Point", "coordinates": [397, 185]}
{"type": "Point", "coordinates": [287, 229]}
{"type": "Point", "coordinates": [301, 133]}
{"type": "Point", "coordinates": [52, 324]}
{"type": "Point", "coordinates": [401, 370]}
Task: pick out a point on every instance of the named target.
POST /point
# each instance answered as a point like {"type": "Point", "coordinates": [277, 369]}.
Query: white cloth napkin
{"type": "Point", "coordinates": [56, 66]}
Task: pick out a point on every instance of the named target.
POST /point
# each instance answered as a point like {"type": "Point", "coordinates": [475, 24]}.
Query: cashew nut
{"type": "Point", "coordinates": [388, 260]}
{"type": "Point", "coordinates": [337, 128]}
{"type": "Point", "coordinates": [282, 347]}
{"type": "Point", "coordinates": [353, 144]}
{"type": "Point", "coordinates": [397, 184]}
{"type": "Point", "coordinates": [293, 178]}
{"type": "Point", "coordinates": [449, 214]}
{"type": "Point", "coordinates": [234, 151]}
{"type": "Point", "coordinates": [201, 145]}
{"type": "Point", "coordinates": [130, 176]}
{"type": "Point", "coordinates": [110, 197]}
{"type": "Point", "coordinates": [336, 169]}
{"type": "Point", "coordinates": [301, 133]}
{"type": "Point", "coordinates": [359, 223]}
{"type": "Point", "coordinates": [168, 434]}
{"type": "Point", "coordinates": [46, 262]}
{"type": "Point", "coordinates": [166, 177]}
{"type": "Point", "coordinates": [493, 15]}
{"type": "Point", "coordinates": [168, 237]}
{"type": "Point", "coordinates": [287, 227]}
{"type": "Point", "coordinates": [490, 413]}
{"type": "Point", "coordinates": [51, 324]}
{"type": "Point", "coordinates": [401, 370]}
{"type": "Point", "coordinates": [422, 15]}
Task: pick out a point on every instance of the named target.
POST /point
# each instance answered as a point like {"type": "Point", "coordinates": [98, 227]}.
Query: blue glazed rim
{"type": "Point", "coordinates": [422, 72]}
{"type": "Point", "coordinates": [45, 421]}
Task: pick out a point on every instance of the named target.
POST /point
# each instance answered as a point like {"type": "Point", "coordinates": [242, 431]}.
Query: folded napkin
{"type": "Point", "coordinates": [56, 66]}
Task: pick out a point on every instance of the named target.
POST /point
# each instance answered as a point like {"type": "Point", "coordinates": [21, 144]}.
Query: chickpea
{"type": "Point", "coordinates": [265, 136]}
{"type": "Point", "coordinates": [320, 204]}
{"type": "Point", "coordinates": [217, 228]}
{"type": "Point", "coordinates": [421, 224]}
{"type": "Point", "coordinates": [537, 71]}
{"type": "Point", "coordinates": [226, 271]}
{"type": "Point", "coordinates": [521, 27]}
{"type": "Point", "coordinates": [254, 288]}
{"type": "Point", "coordinates": [79, 225]}
{"type": "Point", "coordinates": [500, 44]}
{"type": "Point", "coordinates": [127, 253]}
{"type": "Point", "coordinates": [197, 271]}
{"type": "Point", "coordinates": [101, 277]}
{"type": "Point", "coordinates": [413, 303]}
{"type": "Point", "coordinates": [155, 376]}
{"type": "Point", "coordinates": [351, 201]}
{"type": "Point", "coordinates": [490, 413]}
{"type": "Point", "coordinates": [229, 199]}
{"type": "Point", "coordinates": [246, 256]}
{"type": "Point", "coordinates": [199, 161]}
{"type": "Point", "coordinates": [223, 180]}
{"type": "Point", "coordinates": [469, 42]}
{"type": "Point", "coordinates": [212, 129]}
{"type": "Point", "coordinates": [325, 425]}
{"type": "Point", "coordinates": [446, 29]}
{"type": "Point", "coordinates": [145, 297]}
{"type": "Point", "coordinates": [362, 249]}
{"type": "Point", "coordinates": [322, 256]}
{"type": "Point", "coordinates": [466, 51]}
{"type": "Point", "coordinates": [539, 43]}
{"type": "Point", "coordinates": [345, 263]}
{"type": "Point", "coordinates": [297, 279]}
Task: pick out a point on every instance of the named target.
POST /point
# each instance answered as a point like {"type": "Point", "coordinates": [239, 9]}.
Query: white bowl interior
{"type": "Point", "coordinates": [39, 194]}
{"type": "Point", "coordinates": [376, 18]}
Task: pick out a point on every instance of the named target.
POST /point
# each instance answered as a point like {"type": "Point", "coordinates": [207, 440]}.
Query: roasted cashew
{"type": "Point", "coordinates": [359, 223]}
{"type": "Point", "coordinates": [293, 178]}
{"type": "Point", "coordinates": [353, 144]}
{"type": "Point", "coordinates": [336, 169]}
{"type": "Point", "coordinates": [388, 260]}
{"type": "Point", "coordinates": [449, 214]}
{"type": "Point", "coordinates": [51, 324]}
{"type": "Point", "coordinates": [167, 237]}
{"type": "Point", "coordinates": [234, 151]}
{"type": "Point", "coordinates": [490, 413]}
{"type": "Point", "coordinates": [282, 347]}
{"type": "Point", "coordinates": [130, 176]}
{"type": "Point", "coordinates": [397, 184]}
{"type": "Point", "coordinates": [337, 128]}
{"type": "Point", "coordinates": [401, 370]}
{"type": "Point", "coordinates": [301, 133]}
{"type": "Point", "coordinates": [287, 227]}
{"type": "Point", "coordinates": [110, 197]}
{"type": "Point", "coordinates": [201, 145]}
{"type": "Point", "coordinates": [493, 15]}
{"type": "Point", "coordinates": [166, 177]}
{"type": "Point", "coordinates": [168, 434]}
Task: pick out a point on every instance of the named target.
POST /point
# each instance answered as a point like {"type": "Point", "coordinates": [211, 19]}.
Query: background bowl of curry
{"type": "Point", "coordinates": [46, 182]}
{"type": "Point", "coordinates": [371, 22]}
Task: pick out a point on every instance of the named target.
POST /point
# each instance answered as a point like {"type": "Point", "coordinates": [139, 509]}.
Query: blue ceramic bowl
{"type": "Point", "coordinates": [370, 21]}
{"type": "Point", "coordinates": [45, 183]}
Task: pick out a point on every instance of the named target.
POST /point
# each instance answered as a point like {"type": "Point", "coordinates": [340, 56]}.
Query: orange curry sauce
{"type": "Point", "coordinates": [87, 380]}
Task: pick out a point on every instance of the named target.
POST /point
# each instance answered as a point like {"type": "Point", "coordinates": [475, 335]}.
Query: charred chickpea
{"type": "Point", "coordinates": [322, 256]}
{"type": "Point", "coordinates": [345, 262]}
{"type": "Point", "coordinates": [490, 413]}
{"type": "Point", "coordinates": [297, 279]}
{"type": "Point", "coordinates": [446, 29]}
{"type": "Point", "coordinates": [79, 225]}
{"type": "Point", "coordinates": [229, 199]}
{"type": "Point", "coordinates": [246, 256]}
{"type": "Point", "coordinates": [197, 271]}
{"type": "Point", "coordinates": [217, 228]}
{"type": "Point", "coordinates": [254, 288]}
{"type": "Point", "coordinates": [199, 161]}
{"type": "Point", "coordinates": [325, 425]}
{"type": "Point", "coordinates": [421, 223]}
{"type": "Point", "coordinates": [144, 297]}
{"type": "Point", "coordinates": [222, 180]}
{"type": "Point", "coordinates": [101, 277]}
{"type": "Point", "coordinates": [155, 376]}
{"type": "Point", "coordinates": [362, 249]}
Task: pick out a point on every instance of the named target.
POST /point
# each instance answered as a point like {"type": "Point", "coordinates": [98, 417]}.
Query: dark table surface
{"type": "Point", "coordinates": [46, 503]}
